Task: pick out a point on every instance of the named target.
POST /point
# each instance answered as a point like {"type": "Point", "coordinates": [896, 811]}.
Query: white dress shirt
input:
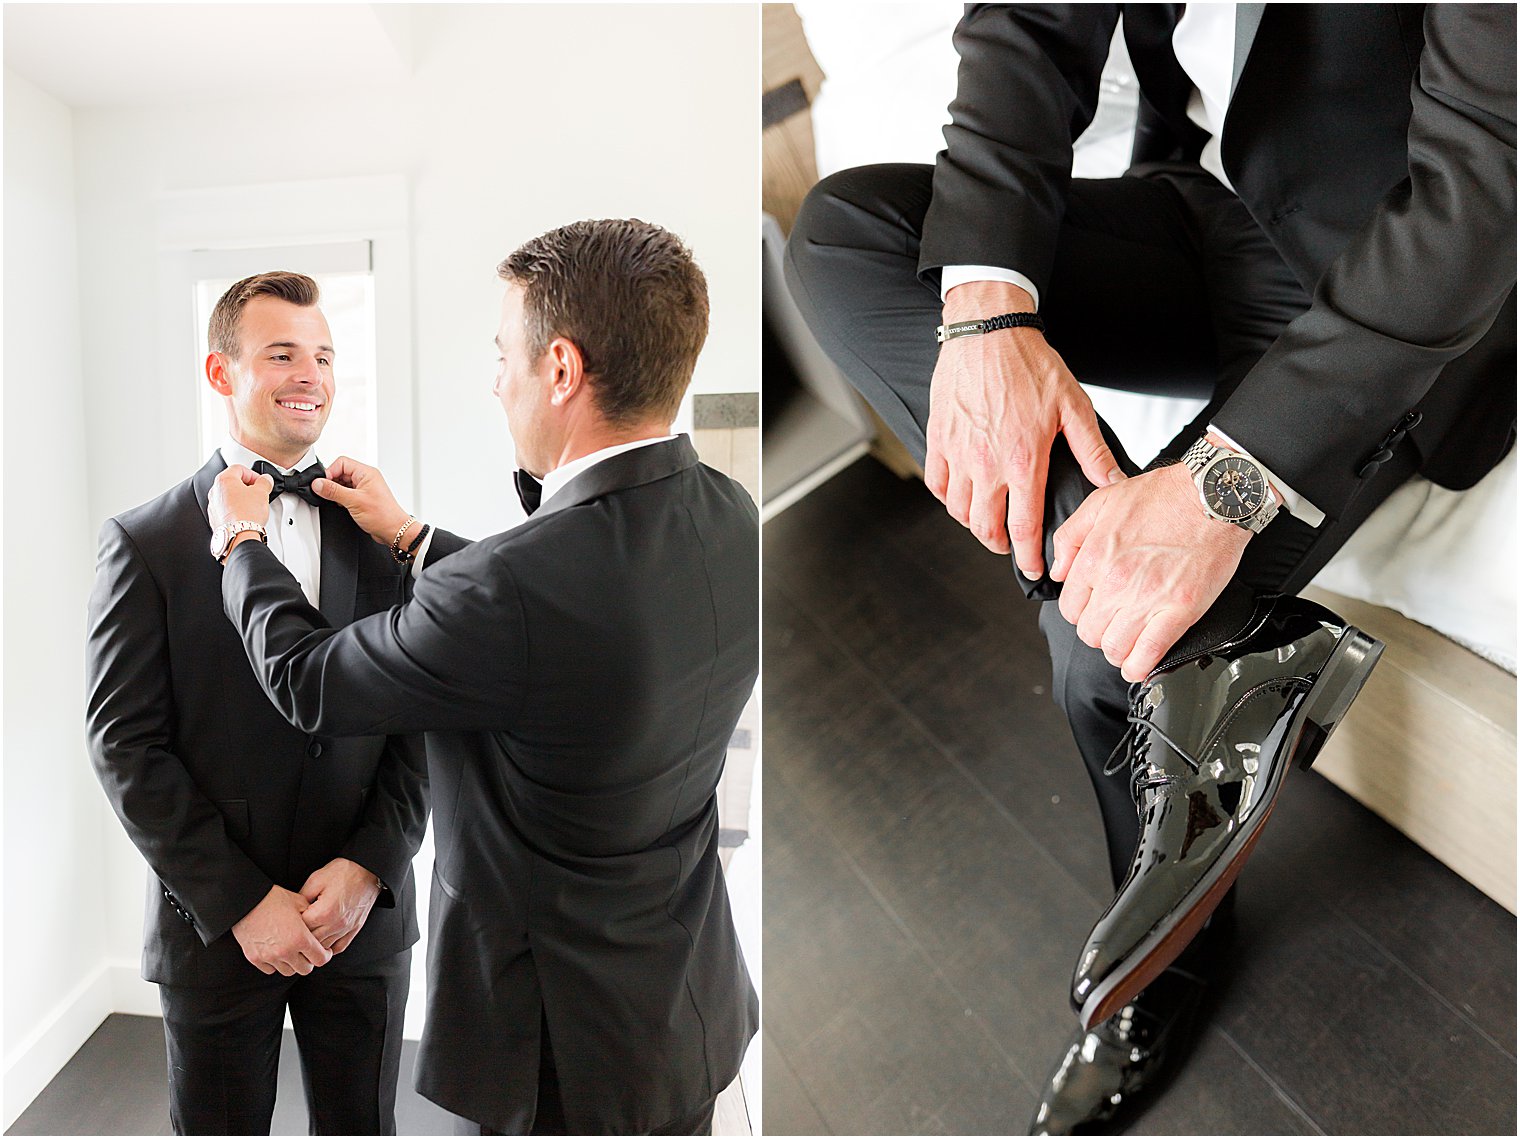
{"type": "Point", "coordinates": [1204, 43]}
{"type": "Point", "coordinates": [295, 528]}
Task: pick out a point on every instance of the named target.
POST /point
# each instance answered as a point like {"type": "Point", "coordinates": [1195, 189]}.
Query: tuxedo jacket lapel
{"type": "Point", "coordinates": [340, 564]}
{"type": "Point", "coordinates": [631, 468]}
{"type": "Point", "coordinates": [201, 484]}
{"type": "Point", "coordinates": [1247, 23]}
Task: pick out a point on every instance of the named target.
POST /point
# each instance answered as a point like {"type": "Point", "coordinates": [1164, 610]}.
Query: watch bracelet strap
{"type": "Point", "coordinates": [991, 324]}
{"type": "Point", "coordinates": [242, 526]}
{"type": "Point", "coordinates": [1196, 457]}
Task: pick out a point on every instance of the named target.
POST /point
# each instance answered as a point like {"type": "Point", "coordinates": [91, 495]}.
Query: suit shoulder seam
{"type": "Point", "coordinates": [138, 556]}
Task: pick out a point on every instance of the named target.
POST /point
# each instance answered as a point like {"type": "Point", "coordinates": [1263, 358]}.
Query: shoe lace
{"type": "Point", "coordinates": [1143, 773]}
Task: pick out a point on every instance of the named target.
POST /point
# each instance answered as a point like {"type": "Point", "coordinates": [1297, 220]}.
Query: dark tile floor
{"type": "Point", "coordinates": [933, 860]}
{"type": "Point", "coordinates": [116, 1084]}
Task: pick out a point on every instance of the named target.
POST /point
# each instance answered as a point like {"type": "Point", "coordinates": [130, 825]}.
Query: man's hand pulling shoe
{"type": "Point", "coordinates": [996, 402]}
{"type": "Point", "coordinates": [1141, 562]}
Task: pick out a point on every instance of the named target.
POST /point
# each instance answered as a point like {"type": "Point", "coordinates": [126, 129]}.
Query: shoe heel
{"type": "Point", "coordinates": [1351, 663]}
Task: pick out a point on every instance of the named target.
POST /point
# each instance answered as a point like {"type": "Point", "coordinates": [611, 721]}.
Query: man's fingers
{"type": "Point", "coordinates": [1159, 635]}
{"type": "Point", "coordinates": [1096, 616]}
{"type": "Point", "coordinates": [344, 942]}
{"type": "Point", "coordinates": [1071, 535]}
{"type": "Point", "coordinates": [1118, 640]}
{"type": "Point", "coordinates": [1073, 600]}
{"type": "Point", "coordinates": [1080, 426]}
{"type": "Point", "coordinates": [958, 500]}
{"type": "Point", "coordinates": [248, 478]}
{"type": "Point", "coordinates": [349, 472]}
{"type": "Point", "coordinates": [1026, 516]}
{"type": "Point", "coordinates": [936, 474]}
{"type": "Point", "coordinates": [333, 491]}
{"type": "Point", "coordinates": [989, 516]}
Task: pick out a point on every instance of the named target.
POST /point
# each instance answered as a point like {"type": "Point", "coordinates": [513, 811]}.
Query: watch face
{"type": "Point", "coordinates": [218, 541]}
{"type": "Point", "coordinates": [1234, 488]}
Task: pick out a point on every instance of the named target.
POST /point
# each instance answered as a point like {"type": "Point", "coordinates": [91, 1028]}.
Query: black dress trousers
{"type": "Point", "coordinates": [224, 1048]}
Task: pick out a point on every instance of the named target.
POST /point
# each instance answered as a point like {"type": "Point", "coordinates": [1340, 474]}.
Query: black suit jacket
{"type": "Point", "coordinates": [579, 678]}
{"type": "Point", "coordinates": [1375, 145]}
{"type": "Point", "coordinates": [220, 794]}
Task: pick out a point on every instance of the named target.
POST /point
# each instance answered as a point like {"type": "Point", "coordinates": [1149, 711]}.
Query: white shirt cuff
{"type": "Point", "coordinates": [421, 556]}
{"type": "Point", "coordinates": [1295, 503]}
{"type": "Point", "coordinates": [953, 275]}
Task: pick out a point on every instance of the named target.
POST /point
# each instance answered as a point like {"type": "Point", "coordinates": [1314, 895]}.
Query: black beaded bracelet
{"type": "Point", "coordinates": [411, 551]}
{"type": "Point", "coordinates": [992, 324]}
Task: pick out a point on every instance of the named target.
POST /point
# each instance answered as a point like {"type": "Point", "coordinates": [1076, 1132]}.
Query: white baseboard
{"type": "Point", "coordinates": [130, 993]}
{"type": "Point", "coordinates": [44, 1051]}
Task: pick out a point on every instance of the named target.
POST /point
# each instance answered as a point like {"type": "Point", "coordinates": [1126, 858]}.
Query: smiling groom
{"type": "Point", "coordinates": [280, 859]}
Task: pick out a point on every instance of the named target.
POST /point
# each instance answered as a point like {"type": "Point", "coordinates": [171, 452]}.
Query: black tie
{"type": "Point", "coordinates": [529, 490]}
{"type": "Point", "coordinates": [298, 484]}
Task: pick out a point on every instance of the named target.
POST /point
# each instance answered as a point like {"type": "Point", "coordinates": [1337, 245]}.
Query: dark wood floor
{"type": "Point", "coordinates": [117, 1085]}
{"type": "Point", "coordinates": [933, 860]}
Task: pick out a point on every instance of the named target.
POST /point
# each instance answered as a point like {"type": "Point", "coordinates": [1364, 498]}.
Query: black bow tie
{"type": "Point", "coordinates": [530, 491]}
{"type": "Point", "coordinates": [298, 484]}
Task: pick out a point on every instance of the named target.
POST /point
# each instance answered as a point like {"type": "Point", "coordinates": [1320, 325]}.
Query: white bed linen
{"type": "Point", "coordinates": [1442, 558]}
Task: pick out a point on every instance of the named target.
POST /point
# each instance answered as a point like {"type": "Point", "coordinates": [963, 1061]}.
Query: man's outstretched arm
{"type": "Point", "coordinates": [451, 658]}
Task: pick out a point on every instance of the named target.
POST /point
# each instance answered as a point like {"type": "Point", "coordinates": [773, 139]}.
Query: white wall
{"type": "Point", "coordinates": [516, 119]}
{"type": "Point", "coordinates": [55, 815]}
{"type": "Point", "coordinates": [513, 120]}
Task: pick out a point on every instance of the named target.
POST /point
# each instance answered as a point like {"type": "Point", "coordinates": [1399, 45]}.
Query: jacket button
{"type": "Point", "coordinates": [314, 749]}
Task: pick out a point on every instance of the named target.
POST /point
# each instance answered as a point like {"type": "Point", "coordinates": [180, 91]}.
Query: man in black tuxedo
{"type": "Point", "coordinates": [280, 858]}
{"type": "Point", "coordinates": [1317, 235]}
{"type": "Point", "coordinates": [579, 678]}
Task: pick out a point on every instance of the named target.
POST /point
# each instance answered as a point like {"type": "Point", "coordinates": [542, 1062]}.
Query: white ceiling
{"type": "Point", "coordinates": [107, 55]}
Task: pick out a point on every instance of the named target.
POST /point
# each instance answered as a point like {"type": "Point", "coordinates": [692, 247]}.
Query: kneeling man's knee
{"type": "Point", "coordinates": [851, 211]}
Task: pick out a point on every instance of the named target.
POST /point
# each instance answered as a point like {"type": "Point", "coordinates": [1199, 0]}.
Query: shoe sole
{"type": "Point", "coordinates": [1338, 684]}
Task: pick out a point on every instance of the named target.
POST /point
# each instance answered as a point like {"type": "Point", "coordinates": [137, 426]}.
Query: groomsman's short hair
{"type": "Point", "coordinates": [222, 333]}
{"type": "Point", "coordinates": [630, 297]}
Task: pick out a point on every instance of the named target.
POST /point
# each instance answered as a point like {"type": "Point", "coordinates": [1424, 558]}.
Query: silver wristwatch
{"type": "Point", "coordinates": [221, 537]}
{"type": "Point", "coordinates": [1231, 487]}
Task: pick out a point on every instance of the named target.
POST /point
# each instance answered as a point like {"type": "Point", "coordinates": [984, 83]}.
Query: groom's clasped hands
{"type": "Point", "coordinates": [293, 933]}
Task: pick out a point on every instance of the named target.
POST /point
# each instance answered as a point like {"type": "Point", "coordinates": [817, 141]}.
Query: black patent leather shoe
{"type": "Point", "coordinates": [1112, 1067]}
{"type": "Point", "coordinates": [1213, 732]}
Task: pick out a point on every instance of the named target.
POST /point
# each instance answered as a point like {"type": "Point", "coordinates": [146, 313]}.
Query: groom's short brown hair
{"type": "Point", "coordinates": [630, 297]}
{"type": "Point", "coordinates": [221, 333]}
